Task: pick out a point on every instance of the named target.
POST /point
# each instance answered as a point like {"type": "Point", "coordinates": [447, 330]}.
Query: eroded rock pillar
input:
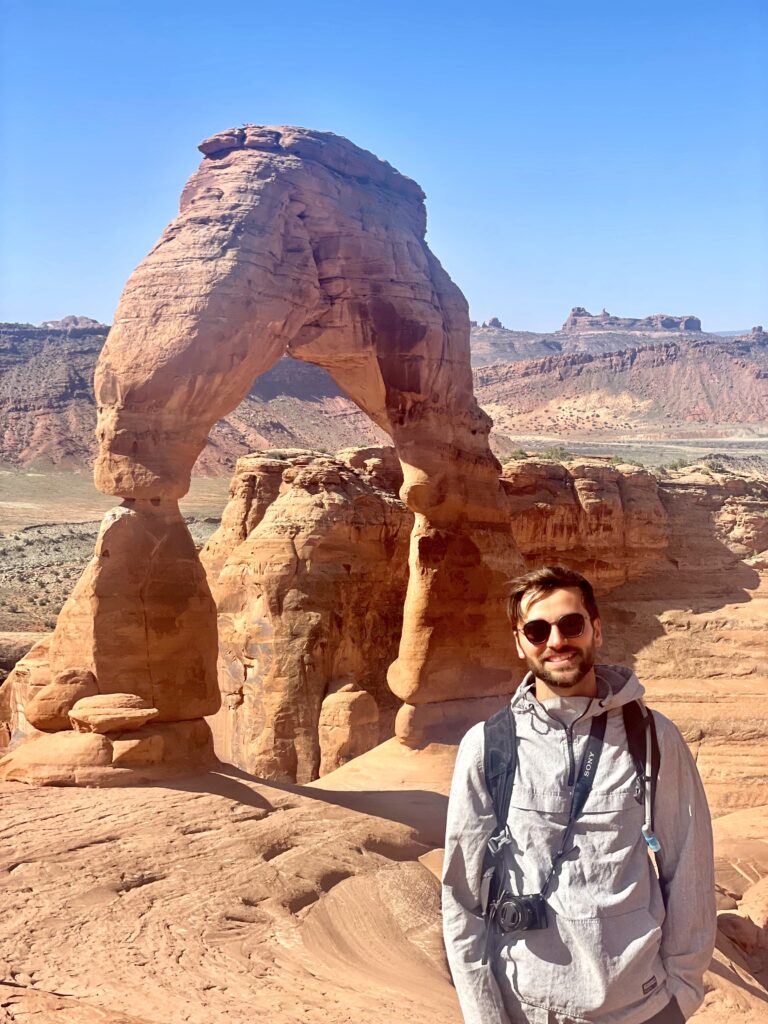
{"type": "Point", "coordinates": [140, 629]}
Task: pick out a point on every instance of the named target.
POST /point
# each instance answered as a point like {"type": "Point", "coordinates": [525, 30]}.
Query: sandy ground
{"type": "Point", "coordinates": [218, 899]}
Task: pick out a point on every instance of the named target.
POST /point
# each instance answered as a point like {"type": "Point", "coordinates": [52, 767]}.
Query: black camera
{"type": "Point", "coordinates": [522, 913]}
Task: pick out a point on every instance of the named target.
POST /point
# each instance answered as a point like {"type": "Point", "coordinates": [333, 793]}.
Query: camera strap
{"type": "Point", "coordinates": [500, 764]}
{"type": "Point", "coordinates": [581, 790]}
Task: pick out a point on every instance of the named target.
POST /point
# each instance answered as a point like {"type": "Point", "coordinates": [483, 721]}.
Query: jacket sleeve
{"type": "Point", "coordinates": [471, 821]}
{"type": "Point", "coordinates": [686, 869]}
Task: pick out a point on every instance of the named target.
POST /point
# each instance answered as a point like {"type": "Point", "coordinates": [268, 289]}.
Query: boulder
{"type": "Point", "coordinates": [50, 708]}
{"type": "Point", "coordinates": [57, 759]}
{"type": "Point", "coordinates": [111, 713]}
{"type": "Point", "coordinates": [348, 726]}
{"type": "Point", "coordinates": [146, 754]}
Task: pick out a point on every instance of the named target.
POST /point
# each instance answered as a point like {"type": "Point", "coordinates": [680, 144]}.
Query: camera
{"type": "Point", "coordinates": [522, 913]}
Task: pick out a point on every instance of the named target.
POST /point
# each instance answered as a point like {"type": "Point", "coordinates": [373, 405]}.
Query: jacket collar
{"type": "Point", "coordinates": [616, 686]}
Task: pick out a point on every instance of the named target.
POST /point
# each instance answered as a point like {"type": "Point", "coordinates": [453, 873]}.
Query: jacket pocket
{"type": "Point", "coordinates": [588, 966]}
{"type": "Point", "coordinates": [608, 872]}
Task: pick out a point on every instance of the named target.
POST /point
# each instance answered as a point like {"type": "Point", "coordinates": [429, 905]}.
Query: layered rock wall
{"type": "Point", "coordinates": [661, 552]}
{"type": "Point", "coordinates": [607, 523]}
{"type": "Point", "coordinates": [309, 570]}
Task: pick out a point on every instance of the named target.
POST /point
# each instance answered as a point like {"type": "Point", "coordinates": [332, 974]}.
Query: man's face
{"type": "Point", "coordinates": [565, 665]}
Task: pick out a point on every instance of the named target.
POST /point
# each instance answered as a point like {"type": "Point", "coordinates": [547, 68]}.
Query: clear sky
{"type": "Point", "coordinates": [595, 153]}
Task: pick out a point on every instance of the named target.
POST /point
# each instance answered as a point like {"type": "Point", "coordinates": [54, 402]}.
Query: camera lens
{"type": "Point", "coordinates": [511, 916]}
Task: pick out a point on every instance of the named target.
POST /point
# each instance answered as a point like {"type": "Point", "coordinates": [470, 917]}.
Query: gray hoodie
{"type": "Point", "coordinates": [620, 943]}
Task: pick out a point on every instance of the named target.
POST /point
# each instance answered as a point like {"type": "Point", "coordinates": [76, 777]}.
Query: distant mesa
{"type": "Point", "coordinates": [581, 321]}
{"type": "Point", "coordinates": [73, 323]}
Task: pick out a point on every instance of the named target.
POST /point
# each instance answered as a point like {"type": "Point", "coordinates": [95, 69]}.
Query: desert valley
{"type": "Point", "coordinates": [229, 711]}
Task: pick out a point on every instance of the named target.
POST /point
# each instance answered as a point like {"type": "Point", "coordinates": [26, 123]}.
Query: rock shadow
{"type": "Point", "coordinates": [418, 809]}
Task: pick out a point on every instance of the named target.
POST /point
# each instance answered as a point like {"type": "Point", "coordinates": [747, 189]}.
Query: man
{"type": "Point", "coordinates": [613, 943]}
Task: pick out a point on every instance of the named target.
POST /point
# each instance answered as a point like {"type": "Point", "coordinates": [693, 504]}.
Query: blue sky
{"type": "Point", "coordinates": [593, 153]}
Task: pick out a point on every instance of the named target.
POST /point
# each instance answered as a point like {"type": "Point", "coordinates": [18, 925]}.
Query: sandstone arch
{"type": "Point", "coordinates": [294, 241]}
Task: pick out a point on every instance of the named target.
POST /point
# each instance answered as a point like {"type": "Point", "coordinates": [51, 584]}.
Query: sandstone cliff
{"type": "Point", "coordinates": [664, 554]}
{"type": "Point", "coordinates": [665, 390]}
{"type": "Point", "coordinates": [48, 410]}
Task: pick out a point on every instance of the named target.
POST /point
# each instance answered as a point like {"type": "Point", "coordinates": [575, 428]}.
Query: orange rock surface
{"type": "Point", "coordinates": [223, 899]}
{"type": "Point", "coordinates": [125, 629]}
{"type": "Point", "coordinates": [609, 524]}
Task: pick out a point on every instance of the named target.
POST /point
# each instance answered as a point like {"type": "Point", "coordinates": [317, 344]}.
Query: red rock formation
{"type": "Point", "coordinates": [296, 241]}
{"type": "Point", "coordinates": [69, 323]}
{"type": "Point", "coordinates": [309, 569]}
{"type": "Point", "coordinates": [679, 562]}
{"type": "Point", "coordinates": [581, 320]}
{"type": "Point", "coordinates": [348, 727]}
{"type": "Point", "coordinates": [320, 251]}
{"type": "Point", "coordinates": [664, 542]}
{"type": "Point", "coordinates": [646, 391]}
{"type": "Point", "coordinates": [607, 523]}
{"type": "Point", "coordinates": [124, 629]}
{"type": "Point", "coordinates": [49, 414]}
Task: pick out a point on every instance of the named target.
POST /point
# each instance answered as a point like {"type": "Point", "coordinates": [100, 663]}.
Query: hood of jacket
{"type": "Point", "coordinates": [616, 686]}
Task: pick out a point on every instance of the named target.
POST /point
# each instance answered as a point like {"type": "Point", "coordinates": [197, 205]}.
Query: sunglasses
{"type": "Point", "coordinates": [569, 626]}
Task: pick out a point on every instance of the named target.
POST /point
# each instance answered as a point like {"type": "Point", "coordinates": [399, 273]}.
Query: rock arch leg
{"type": "Point", "coordinates": [410, 353]}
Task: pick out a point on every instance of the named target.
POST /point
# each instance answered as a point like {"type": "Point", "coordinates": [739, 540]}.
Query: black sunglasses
{"type": "Point", "coordinates": [569, 626]}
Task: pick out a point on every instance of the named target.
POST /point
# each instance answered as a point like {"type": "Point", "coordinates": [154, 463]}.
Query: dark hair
{"type": "Point", "coordinates": [544, 580]}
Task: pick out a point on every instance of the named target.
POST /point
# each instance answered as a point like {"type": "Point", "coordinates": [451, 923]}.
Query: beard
{"type": "Point", "coordinates": [567, 676]}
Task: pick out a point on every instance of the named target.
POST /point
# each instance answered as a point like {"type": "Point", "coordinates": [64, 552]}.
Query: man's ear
{"type": "Point", "coordinates": [597, 630]}
{"type": "Point", "coordinates": [520, 651]}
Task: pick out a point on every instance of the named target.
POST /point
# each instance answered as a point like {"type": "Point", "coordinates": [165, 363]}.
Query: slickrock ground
{"type": "Point", "coordinates": [216, 900]}
{"type": "Point", "coordinates": [223, 900]}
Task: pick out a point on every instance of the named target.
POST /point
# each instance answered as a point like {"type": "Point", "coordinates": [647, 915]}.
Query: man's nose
{"type": "Point", "coordinates": [556, 638]}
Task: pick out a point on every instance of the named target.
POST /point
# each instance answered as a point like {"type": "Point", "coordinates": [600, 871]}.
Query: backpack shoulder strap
{"type": "Point", "coordinates": [634, 726]}
{"type": "Point", "coordinates": [500, 762]}
{"type": "Point", "coordinates": [637, 721]}
{"type": "Point", "coordinates": [655, 756]}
